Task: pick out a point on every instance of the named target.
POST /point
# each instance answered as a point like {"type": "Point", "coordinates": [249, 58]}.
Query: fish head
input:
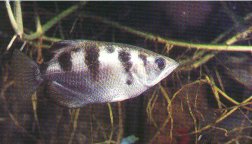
{"type": "Point", "coordinates": [156, 68]}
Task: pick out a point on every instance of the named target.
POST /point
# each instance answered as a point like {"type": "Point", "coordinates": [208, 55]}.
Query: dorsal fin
{"type": "Point", "coordinates": [62, 44]}
{"type": "Point", "coordinates": [48, 54]}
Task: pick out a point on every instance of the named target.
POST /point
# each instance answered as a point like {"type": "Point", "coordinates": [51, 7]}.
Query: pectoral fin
{"type": "Point", "coordinates": [64, 96]}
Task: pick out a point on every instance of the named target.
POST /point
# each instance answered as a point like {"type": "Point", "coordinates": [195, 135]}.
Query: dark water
{"type": "Point", "coordinates": [195, 105]}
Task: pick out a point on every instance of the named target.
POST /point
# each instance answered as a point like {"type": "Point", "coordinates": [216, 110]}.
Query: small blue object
{"type": "Point", "coordinates": [129, 140]}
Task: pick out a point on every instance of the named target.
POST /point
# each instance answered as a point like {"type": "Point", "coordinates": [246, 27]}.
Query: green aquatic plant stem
{"type": "Point", "coordinates": [239, 36]}
{"type": "Point", "coordinates": [200, 46]}
{"type": "Point", "coordinates": [202, 57]}
{"type": "Point", "coordinates": [74, 122]}
{"type": "Point", "coordinates": [222, 117]}
{"type": "Point", "coordinates": [18, 16]}
{"type": "Point", "coordinates": [12, 18]}
{"type": "Point", "coordinates": [54, 21]}
{"type": "Point", "coordinates": [111, 122]}
{"type": "Point", "coordinates": [120, 123]}
{"type": "Point", "coordinates": [17, 21]}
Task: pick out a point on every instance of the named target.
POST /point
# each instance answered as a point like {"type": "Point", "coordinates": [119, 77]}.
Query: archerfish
{"type": "Point", "coordinates": [81, 72]}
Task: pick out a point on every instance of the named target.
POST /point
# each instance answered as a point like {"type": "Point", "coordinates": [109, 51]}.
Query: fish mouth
{"type": "Point", "coordinates": [169, 70]}
{"type": "Point", "coordinates": [172, 66]}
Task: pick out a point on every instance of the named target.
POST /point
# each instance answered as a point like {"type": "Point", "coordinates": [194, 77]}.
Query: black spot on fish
{"type": "Point", "coordinates": [47, 55]}
{"type": "Point", "coordinates": [43, 67]}
{"type": "Point", "coordinates": [127, 66]}
{"type": "Point", "coordinates": [124, 57]}
{"type": "Point", "coordinates": [110, 49]}
{"type": "Point", "coordinates": [129, 82]}
{"type": "Point", "coordinates": [143, 57]}
{"type": "Point", "coordinates": [50, 53]}
{"type": "Point", "coordinates": [129, 79]}
{"type": "Point", "coordinates": [61, 44]}
{"type": "Point", "coordinates": [91, 59]}
{"type": "Point", "coordinates": [160, 62]}
{"type": "Point", "coordinates": [65, 61]}
{"type": "Point", "coordinates": [76, 50]}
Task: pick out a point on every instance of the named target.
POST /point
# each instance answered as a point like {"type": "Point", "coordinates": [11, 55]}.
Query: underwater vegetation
{"type": "Point", "coordinates": [206, 99]}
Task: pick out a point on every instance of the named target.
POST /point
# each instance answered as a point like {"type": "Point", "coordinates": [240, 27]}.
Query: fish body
{"type": "Point", "coordinates": [81, 72]}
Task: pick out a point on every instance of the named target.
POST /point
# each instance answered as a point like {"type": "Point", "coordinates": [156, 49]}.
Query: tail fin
{"type": "Point", "coordinates": [25, 73]}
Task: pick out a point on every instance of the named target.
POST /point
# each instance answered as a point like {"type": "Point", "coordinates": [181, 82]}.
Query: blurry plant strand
{"type": "Point", "coordinates": [73, 123]}
{"type": "Point", "coordinates": [201, 57]}
{"type": "Point", "coordinates": [161, 40]}
{"type": "Point", "coordinates": [223, 116]}
{"type": "Point", "coordinates": [17, 20]}
{"type": "Point", "coordinates": [207, 50]}
{"type": "Point", "coordinates": [6, 84]}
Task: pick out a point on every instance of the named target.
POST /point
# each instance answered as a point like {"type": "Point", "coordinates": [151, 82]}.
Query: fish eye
{"type": "Point", "coordinates": [160, 63]}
